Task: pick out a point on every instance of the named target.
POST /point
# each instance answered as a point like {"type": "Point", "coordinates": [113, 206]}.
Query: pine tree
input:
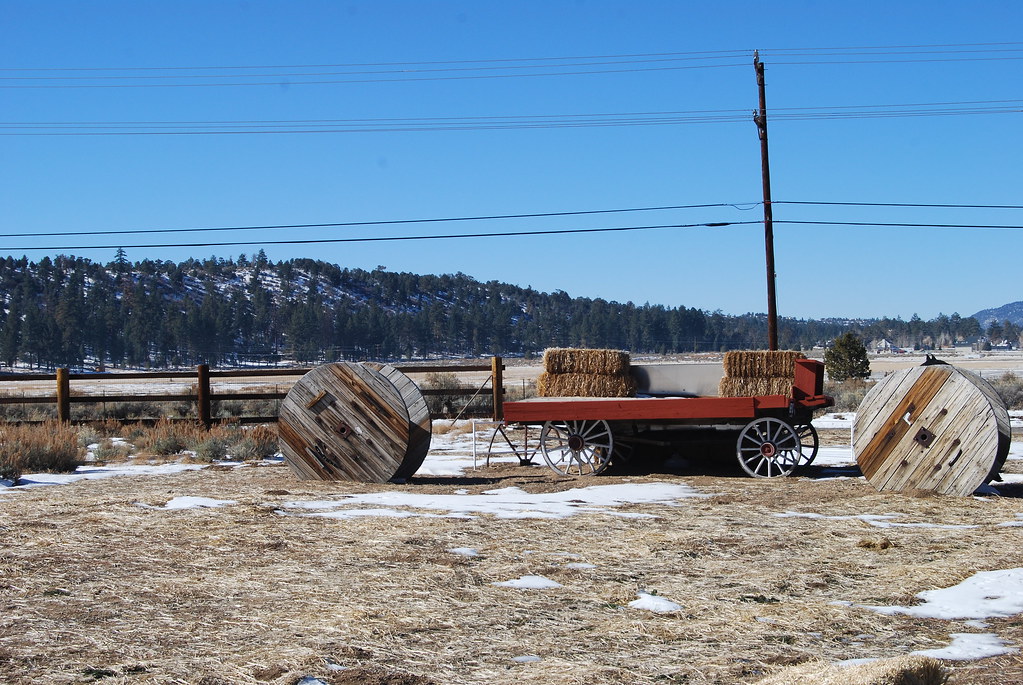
{"type": "Point", "coordinates": [847, 358]}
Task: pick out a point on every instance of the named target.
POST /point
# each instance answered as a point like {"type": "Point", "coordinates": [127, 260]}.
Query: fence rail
{"type": "Point", "coordinates": [203, 396]}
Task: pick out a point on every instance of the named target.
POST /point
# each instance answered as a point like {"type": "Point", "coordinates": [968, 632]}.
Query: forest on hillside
{"type": "Point", "coordinates": [72, 312]}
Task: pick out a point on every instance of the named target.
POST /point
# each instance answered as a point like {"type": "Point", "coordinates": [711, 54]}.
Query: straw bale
{"type": "Point", "coordinates": [569, 360]}
{"type": "Point", "coordinates": [903, 670]}
{"type": "Point", "coordinates": [584, 385]}
{"type": "Point", "coordinates": [754, 387]}
{"type": "Point", "coordinates": [761, 363]}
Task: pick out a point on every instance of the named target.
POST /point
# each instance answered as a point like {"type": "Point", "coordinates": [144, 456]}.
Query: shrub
{"type": "Point", "coordinates": [1010, 388]}
{"type": "Point", "coordinates": [443, 405]}
{"type": "Point", "coordinates": [212, 448]}
{"type": "Point", "coordinates": [108, 450]}
{"type": "Point", "coordinates": [259, 442]}
{"type": "Point", "coordinates": [166, 438]}
{"type": "Point", "coordinates": [50, 447]}
{"type": "Point", "coordinates": [848, 394]}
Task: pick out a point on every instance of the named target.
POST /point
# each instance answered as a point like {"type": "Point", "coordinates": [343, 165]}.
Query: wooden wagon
{"type": "Point", "coordinates": [579, 434]}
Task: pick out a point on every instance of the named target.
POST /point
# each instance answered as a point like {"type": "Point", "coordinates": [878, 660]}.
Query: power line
{"type": "Point", "coordinates": [494, 122]}
{"type": "Point", "coordinates": [705, 54]}
{"type": "Point", "coordinates": [319, 241]}
{"type": "Point", "coordinates": [390, 222]}
{"type": "Point", "coordinates": [896, 204]}
{"type": "Point", "coordinates": [397, 79]}
{"type": "Point", "coordinates": [879, 224]}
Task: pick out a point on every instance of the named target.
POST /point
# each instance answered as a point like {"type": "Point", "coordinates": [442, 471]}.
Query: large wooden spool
{"type": "Point", "coordinates": [932, 428]}
{"type": "Point", "coordinates": [349, 421]}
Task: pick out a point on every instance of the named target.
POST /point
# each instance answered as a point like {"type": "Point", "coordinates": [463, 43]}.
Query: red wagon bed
{"type": "Point", "coordinates": [579, 433]}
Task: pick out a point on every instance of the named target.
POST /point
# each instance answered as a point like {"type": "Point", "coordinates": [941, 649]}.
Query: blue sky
{"type": "Point", "coordinates": [182, 61]}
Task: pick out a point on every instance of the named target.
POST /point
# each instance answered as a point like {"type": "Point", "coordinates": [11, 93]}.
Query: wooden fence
{"type": "Point", "coordinates": [205, 392]}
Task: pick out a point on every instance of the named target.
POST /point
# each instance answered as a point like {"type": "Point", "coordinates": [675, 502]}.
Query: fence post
{"type": "Point", "coordinates": [497, 384]}
{"type": "Point", "coordinates": [203, 395]}
{"type": "Point", "coordinates": [63, 396]}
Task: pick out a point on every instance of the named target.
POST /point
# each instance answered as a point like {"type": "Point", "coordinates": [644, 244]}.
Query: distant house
{"type": "Point", "coordinates": [976, 343]}
{"type": "Point", "coordinates": [884, 346]}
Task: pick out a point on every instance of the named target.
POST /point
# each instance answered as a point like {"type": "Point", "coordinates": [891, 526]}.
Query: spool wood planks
{"type": "Point", "coordinates": [348, 421]}
{"type": "Point", "coordinates": [932, 428]}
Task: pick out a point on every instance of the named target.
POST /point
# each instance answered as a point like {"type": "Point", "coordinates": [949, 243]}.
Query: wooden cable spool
{"type": "Point", "coordinates": [349, 421]}
{"type": "Point", "coordinates": [932, 428]}
{"type": "Point", "coordinates": [420, 424]}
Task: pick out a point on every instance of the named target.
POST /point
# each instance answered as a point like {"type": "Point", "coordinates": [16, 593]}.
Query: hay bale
{"type": "Point", "coordinates": [584, 385]}
{"type": "Point", "coordinates": [761, 363]}
{"type": "Point", "coordinates": [754, 387]}
{"type": "Point", "coordinates": [567, 360]}
{"type": "Point", "coordinates": [903, 670]}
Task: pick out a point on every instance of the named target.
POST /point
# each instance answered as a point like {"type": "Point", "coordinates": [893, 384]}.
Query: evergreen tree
{"type": "Point", "coordinates": [847, 358]}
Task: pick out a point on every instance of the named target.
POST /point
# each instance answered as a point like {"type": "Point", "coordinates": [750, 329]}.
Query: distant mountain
{"type": "Point", "coordinates": [1007, 312]}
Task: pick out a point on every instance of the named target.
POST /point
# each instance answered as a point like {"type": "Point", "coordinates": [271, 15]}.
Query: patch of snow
{"type": "Point", "coordinates": [530, 583]}
{"type": "Point", "coordinates": [987, 594]}
{"type": "Point", "coordinates": [835, 456]}
{"type": "Point", "coordinates": [1013, 524]}
{"type": "Point", "coordinates": [526, 659]}
{"type": "Point", "coordinates": [33, 480]}
{"type": "Point", "coordinates": [346, 514]}
{"type": "Point", "coordinates": [967, 646]}
{"type": "Point", "coordinates": [465, 551]}
{"type": "Point", "coordinates": [508, 503]}
{"type": "Point", "coordinates": [840, 419]}
{"type": "Point", "coordinates": [648, 602]}
{"type": "Point", "coordinates": [580, 565]}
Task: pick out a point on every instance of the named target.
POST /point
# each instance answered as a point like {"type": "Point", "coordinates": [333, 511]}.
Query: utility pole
{"type": "Point", "coordinates": [760, 119]}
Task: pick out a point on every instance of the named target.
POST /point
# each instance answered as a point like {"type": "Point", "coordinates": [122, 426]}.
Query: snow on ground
{"type": "Point", "coordinates": [505, 503]}
{"type": "Point", "coordinates": [986, 594]}
{"type": "Point", "coordinates": [530, 583]}
{"type": "Point", "coordinates": [649, 602]}
{"type": "Point", "coordinates": [969, 646]}
{"type": "Point", "coordinates": [178, 503]}
{"type": "Point", "coordinates": [34, 480]}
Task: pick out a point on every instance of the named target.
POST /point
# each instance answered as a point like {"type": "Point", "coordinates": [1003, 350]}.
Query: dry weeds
{"type": "Point", "coordinates": [96, 588]}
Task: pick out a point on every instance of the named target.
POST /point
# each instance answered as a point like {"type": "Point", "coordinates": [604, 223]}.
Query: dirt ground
{"type": "Point", "coordinates": [96, 588]}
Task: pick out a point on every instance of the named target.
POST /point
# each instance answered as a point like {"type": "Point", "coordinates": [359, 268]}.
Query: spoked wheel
{"type": "Point", "coordinates": [577, 448]}
{"type": "Point", "coordinates": [524, 449]}
{"type": "Point", "coordinates": [768, 448]}
{"type": "Point", "coordinates": [808, 443]}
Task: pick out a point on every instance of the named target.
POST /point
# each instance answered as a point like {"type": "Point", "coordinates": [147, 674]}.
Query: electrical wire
{"type": "Point", "coordinates": [503, 122]}
{"type": "Point", "coordinates": [880, 224]}
{"type": "Point", "coordinates": [391, 222]}
{"type": "Point", "coordinates": [696, 54]}
{"type": "Point", "coordinates": [397, 79]}
{"type": "Point", "coordinates": [322, 241]}
{"type": "Point", "coordinates": [894, 204]}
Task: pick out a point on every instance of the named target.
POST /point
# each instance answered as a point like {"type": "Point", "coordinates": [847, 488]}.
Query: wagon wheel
{"type": "Point", "coordinates": [768, 447]}
{"type": "Point", "coordinates": [576, 448]}
{"type": "Point", "coordinates": [524, 451]}
{"type": "Point", "coordinates": [808, 443]}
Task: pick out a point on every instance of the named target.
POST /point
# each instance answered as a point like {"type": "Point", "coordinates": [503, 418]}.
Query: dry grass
{"type": "Point", "coordinates": [94, 586]}
{"type": "Point", "coordinates": [908, 670]}
{"type": "Point", "coordinates": [50, 447]}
